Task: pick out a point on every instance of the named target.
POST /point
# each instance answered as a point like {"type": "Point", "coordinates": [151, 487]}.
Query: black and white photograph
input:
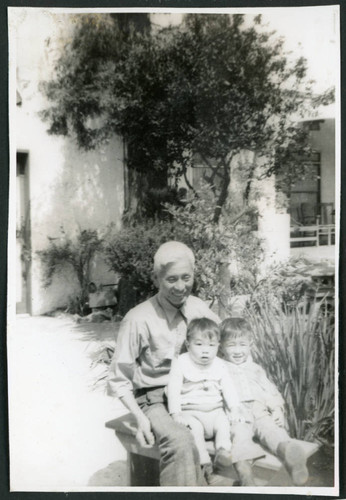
{"type": "Point", "coordinates": [173, 236]}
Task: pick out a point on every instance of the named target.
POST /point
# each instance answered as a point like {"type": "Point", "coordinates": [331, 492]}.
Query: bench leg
{"type": "Point", "coordinates": [142, 471]}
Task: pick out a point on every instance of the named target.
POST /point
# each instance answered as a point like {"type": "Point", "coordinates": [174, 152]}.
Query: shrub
{"type": "Point", "coordinates": [76, 252]}
{"type": "Point", "coordinates": [288, 282]}
{"type": "Point", "coordinates": [296, 347]}
{"type": "Point", "coordinates": [216, 245]}
{"type": "Point", "coordinates": [130, 251]}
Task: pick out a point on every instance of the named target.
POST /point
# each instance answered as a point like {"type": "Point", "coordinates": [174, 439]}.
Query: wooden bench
{"type": "Point", "coordinates": [143, 463]}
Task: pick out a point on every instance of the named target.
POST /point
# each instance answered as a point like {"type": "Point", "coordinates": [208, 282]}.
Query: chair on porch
{"type": "Point", "coordinates": [309, 214]}
{"type": "Point", "coordinates": [317, 213]}
{"type": "Point", "coordinates": [327, 213]}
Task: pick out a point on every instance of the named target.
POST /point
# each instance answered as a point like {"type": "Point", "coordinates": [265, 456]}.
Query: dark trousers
{"type": "Point", "coordinates": [179, 459]}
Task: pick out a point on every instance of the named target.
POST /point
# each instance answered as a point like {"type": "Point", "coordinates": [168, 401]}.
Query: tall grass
{"type": "Point", "coordinates": [296, 347]}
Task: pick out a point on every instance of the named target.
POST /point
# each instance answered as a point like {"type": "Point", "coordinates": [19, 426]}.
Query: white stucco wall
{"type": "Point", "coordinates": [273, 227]}
{"type": "Point", "coordinates": [323, 141]}
{"type": "Point", "coordinates": [69, 187]}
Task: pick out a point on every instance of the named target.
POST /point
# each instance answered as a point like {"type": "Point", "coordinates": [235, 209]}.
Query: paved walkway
{"type": "Point", "coordinates": [57, 436]}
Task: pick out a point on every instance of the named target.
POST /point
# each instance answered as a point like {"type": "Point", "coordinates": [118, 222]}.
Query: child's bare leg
{"type": "Point", "coordinates": [197, 431]}
{"type": "Point", "coordinates": [244, 451]}
{"type": "Point", "coordinates": [223, 442]}
{"type": "Point", "coordinates": [294, 459]}
{"type": "Point", "coordinates": [245, 473]}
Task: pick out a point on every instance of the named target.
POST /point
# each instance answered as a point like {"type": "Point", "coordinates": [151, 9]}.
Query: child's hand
{"type": "Point", "coordinates": [237, 415]}
{"type": "Point", "coordinates": [180, 418]}
{"type": "Point", "coordinates": [278, 416]}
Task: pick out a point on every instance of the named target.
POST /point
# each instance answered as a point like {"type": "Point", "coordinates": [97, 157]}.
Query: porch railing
{"type": "Point", "coordinates": [314, 235]}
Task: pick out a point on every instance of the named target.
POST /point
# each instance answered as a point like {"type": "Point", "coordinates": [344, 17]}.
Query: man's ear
{"type": "Point", "coordinates": [155, 280]}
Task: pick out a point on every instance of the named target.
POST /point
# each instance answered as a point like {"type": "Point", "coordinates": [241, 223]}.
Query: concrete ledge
{"type": "Point", "coordinates": [143, 463]}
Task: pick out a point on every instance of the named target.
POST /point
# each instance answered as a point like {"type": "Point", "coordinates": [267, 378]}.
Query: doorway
{"type": "Point", "coordinates": [23, 236]}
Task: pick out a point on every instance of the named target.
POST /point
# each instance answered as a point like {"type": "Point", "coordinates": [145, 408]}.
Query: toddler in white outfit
{"type": "Point", "coordinates": [199, 390]}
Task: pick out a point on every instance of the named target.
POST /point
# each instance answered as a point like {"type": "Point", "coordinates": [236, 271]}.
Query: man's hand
{"type": "Point", "coordinates": [144, 435]}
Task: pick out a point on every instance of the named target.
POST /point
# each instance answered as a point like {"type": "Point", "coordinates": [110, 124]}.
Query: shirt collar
{"type": "Point", "coordinates": [243, 366]}
{"type": "Point", "coordinates": [170, 310]}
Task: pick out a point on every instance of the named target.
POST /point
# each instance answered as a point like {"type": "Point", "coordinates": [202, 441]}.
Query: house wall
{"type": "Point", "coordinates": [323, 141]}
{"type": "Point", "coordinates": [273, 226]}
{"type": "Point", "coordinates": [69, 188]}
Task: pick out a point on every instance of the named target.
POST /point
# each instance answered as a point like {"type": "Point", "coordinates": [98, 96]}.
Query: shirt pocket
{"type": "Point", "coordinates": [162, 356]}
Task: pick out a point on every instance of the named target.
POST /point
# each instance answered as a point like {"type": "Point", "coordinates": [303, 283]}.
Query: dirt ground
{"type": "Point", "coordinates": [58, 438]}
{"type": "Point", "coordinates": [57, 434]}
{"type": "Point", "coordinates": [320, 465]}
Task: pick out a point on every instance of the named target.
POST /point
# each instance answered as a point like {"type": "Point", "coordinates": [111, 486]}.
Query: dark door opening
{"type": "Point", "coordinates": [23, 239]}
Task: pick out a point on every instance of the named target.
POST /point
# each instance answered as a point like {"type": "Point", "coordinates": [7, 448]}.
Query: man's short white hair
{"type": "Point", "coordinates": [172, 252]}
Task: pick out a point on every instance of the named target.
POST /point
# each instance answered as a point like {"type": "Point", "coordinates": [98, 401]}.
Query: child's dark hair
{"type": "Point", "coordinates": [234, 328]}
{"type": "Point", "coordinates": [205, 326]}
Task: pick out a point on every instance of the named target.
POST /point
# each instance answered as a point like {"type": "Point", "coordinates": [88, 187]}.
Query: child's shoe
{"type": "Point", "coordinates": [223, 458]}
{"type": "Point", "coordinates": [294, 459]}
{"type": "Point", "coordinates": [214, 479]}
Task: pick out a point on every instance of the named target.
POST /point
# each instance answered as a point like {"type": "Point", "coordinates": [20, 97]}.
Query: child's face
{"type": "Point", "coordinates": [202, 349]}
{"type": "Point", "coordinates": [237, 350]}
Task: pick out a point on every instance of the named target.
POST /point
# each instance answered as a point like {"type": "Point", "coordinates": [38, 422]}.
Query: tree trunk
{"type": "Point", "coordinates": [223, 193]}
{"type": "Point", "coordinates": [250, 179]}
{"type": "Point", "coordinates": [137, 183]}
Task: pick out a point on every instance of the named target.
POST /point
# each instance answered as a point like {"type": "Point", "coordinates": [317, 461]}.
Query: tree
{"type": "Point", "coordinates": [210, 88]}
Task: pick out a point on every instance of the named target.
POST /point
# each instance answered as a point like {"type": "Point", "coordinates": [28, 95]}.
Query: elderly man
{"type": "Point", "coordinates": [150, 336]}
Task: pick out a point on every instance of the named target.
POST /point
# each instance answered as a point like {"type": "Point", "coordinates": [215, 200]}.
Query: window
{"type": "Point", "coordinates": [305, 195]}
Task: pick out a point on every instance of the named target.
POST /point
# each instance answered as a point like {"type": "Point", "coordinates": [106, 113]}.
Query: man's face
{"type": "Point", "coordinates": [236, 350]}
{"type": "Point", "coordinates": [175, 282]}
